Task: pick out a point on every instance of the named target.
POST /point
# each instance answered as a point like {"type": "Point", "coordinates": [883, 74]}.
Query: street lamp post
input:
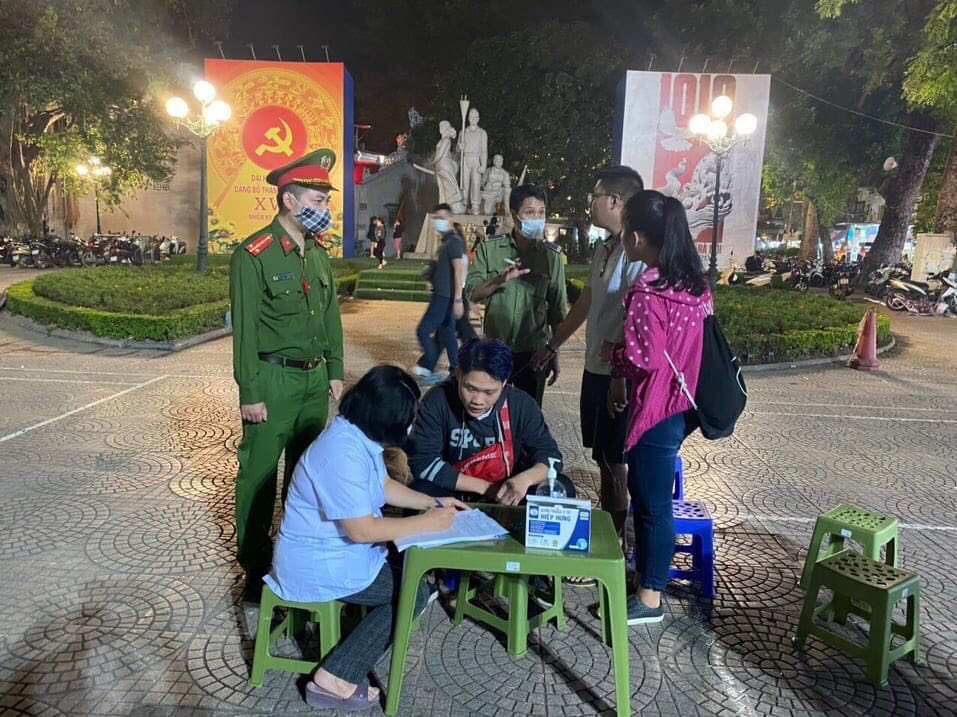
{"type": "Point", "coordinates": [214, 112]}
{"type": "Point", "coordinates": [712, 130]}
{"type": "Point", "coordinates": [99, 172]}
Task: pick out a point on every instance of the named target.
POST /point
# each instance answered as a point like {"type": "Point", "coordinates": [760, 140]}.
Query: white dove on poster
{"type": "Point", "coordinates": [676, 139]}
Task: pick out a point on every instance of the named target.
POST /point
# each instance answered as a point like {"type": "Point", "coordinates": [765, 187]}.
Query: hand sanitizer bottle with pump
{"type": "Point", "coordinates": [551, 488]}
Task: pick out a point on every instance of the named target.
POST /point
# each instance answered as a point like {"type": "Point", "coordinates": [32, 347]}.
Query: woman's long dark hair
{"type": "Point", "coordinates": [663, 222]}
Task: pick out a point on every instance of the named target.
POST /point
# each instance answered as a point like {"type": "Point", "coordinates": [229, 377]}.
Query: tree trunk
{"type": "Point", "coordinates": [827, 246]}
{"type": "Point", "coordinates": [810, 233]}
{"type": "Point", "coordinates": [946, 218]}
{"type": "Point", "coordinates": [902, 194]}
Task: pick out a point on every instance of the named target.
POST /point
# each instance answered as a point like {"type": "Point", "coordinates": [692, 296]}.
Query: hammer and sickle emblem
{"type": "Point", "coordinates": [281, 144]}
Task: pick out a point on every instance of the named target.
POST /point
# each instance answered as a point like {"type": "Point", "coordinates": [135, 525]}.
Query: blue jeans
{"type": "Point", "coordinates": [651, 477]}
{"type": "Point", "coordinates": [438, 320]}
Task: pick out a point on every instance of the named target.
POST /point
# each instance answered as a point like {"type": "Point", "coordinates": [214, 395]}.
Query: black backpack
{"type": "Point", "coordinates": [721, 394]}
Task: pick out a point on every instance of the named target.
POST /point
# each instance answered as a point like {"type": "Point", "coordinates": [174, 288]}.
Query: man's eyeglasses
{"type": "Point", "coordinates": [592, 196]}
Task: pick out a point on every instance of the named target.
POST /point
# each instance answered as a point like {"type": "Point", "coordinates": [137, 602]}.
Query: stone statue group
{"type": "Point", "coordinates": [466, 182]}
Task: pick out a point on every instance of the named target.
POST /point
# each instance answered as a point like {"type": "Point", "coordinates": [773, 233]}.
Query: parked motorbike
{"type": "Point", "coordinates": [7, 246]}
{"type": "Point", "coordinates": [66, 252]}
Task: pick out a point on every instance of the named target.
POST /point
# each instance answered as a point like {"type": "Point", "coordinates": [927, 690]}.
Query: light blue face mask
{"type": "Point", "coordinates": [441, 225]}
{"type": "Point", "coordinates": [533, 228]}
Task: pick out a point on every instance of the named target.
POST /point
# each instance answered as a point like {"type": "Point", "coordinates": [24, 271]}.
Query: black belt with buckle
{"type": "Point", "coordinates": [292, 363]}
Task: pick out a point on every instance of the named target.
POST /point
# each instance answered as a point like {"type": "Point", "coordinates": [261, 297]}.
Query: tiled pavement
{"type": "Point", "coordinates": [118, 592]}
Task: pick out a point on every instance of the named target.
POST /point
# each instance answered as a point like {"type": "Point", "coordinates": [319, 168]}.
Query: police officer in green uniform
{"type": "Point", "coordinates": [521, 279]}
{"type": "Point", "coordinates": [287, 347]}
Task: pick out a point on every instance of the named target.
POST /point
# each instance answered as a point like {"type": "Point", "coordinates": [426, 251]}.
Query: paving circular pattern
{"type": "Point", "coordinates": [778, 502]}
{"type": "Point", "coordinates": [14, 706]}
{"type": "Point", "coordinates": [201, 410]}
{"type": "Point", "coordinates": [906, 468]}
{"type": "Point", "coordinates": [153, 436]}
{"type": "Point", "coordinates": [99, 631]}
{"type": "Point", "coordinates": [934, 508]}
{"type": "Point", "coordinates": [726, 510]}
{"type": "Point", "coordinates": [578, 669]}
{"type": "Point", "coordinates": [134, 405]}
{"type": "Point", "coordinates": [219, 666]}
{"type": "Point", "coordinates": [464, 660]}
{"type": "Point", "coordinates": [223, 389]}
{"type": "Point", "coordinates": [746, 661]}
{"type": "Point", "coordinates": [734, 461]}
{"type": "Point", "coordinates": [165, 540]}
{"type": "Point", "coordinates": [196, 435]}
{"type": "Point", "coordinates": [32, 526]}
{"type": "Point", "coordinates": [107, 473]}
{"type": "Point", "coordinates": [202, 479]}
{"type": "Point", "coordinates": [742, 585]}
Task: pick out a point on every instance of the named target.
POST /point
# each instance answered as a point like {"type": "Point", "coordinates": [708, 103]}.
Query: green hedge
{"type": "Point", "coordinates": [157, 302]}
{"type": "Point", "coordinates": [175, 324]}
{"type": "Point", "coordinates": [765, 326]}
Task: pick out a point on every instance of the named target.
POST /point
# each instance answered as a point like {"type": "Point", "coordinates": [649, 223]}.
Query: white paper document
{"type": "Point", "coordinates": [468, 526]}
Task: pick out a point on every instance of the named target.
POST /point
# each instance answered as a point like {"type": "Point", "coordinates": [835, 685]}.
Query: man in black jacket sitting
{"type": "Point", "coordinates": [476, 435]}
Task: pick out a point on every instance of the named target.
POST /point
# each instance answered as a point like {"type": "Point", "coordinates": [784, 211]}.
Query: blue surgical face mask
{"type": "Point", "coordinates": [533, 228]}
{"type": "Point", "coordinates": [441, 225]}
{"type": "Point", "coordinates": [313, 220]}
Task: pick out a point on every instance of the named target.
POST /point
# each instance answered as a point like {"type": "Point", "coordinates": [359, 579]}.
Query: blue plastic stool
{"type": "Point", "coordinates": [692, 518]}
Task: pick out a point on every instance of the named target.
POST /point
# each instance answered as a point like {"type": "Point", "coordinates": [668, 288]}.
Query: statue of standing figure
{"type": "Point", "coordinates": [447, 169]}
{"type": "Point", "coordinates": [473, 146]}
{"type": "Point", "coordinates": [495, 186]}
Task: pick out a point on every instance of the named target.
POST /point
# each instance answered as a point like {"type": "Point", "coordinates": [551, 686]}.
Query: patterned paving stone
{"type": "Point", "coordinates": [31, 526]}
{"type": "Point", "coordinates": [83, 636]}
{"type": "Point", "coordinates": [123, 597]}
{"type": "Point", "coordinates": [173, 539]}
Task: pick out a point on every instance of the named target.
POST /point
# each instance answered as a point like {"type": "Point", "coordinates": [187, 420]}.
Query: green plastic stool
{"type": "Point", "coordinates": [870, 589]}
{"type": "Point", "coordinates": [872, 530]}
{"type": "Point", "coordinates": [327, 615]}
{"type": "Point", "coordinates": [518, 625]}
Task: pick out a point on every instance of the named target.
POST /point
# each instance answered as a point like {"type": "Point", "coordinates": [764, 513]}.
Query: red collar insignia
{"type": "Point", "coordinates": [286, 244]}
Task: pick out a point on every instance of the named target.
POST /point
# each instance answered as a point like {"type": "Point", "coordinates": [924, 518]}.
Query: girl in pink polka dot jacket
{"type": "Point", "coordinates": [665, 310]}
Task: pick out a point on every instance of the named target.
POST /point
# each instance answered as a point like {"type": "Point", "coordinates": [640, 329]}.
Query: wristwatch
{"type": "Point", "coordinates": [457, 301]}
{"type": "Point", "coordinates": [551, 349]}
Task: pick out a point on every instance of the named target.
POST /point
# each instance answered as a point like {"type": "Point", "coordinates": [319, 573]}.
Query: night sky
{"type": "Point", "coordinates": [396, 48]}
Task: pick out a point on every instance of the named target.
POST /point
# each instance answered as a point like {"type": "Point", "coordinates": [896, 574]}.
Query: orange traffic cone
{"type": "Point", "coordinates": [864, 357]}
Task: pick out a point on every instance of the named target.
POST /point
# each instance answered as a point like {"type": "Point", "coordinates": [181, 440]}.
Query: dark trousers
{"type": "Point", "coordinates": [437, 491]}
{"type": "Point", "coordinates": [526, 378]}
{"type": "Point", "coordinates": [651, 477]}
{"type": "Point", "coordinates": [436, 331]}
{"type": "Point", "coordinates": [463, 327]}
{"type": "Point", "coordinates": [353, 659]}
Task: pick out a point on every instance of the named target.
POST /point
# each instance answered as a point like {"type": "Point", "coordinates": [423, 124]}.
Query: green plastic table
{"type": "Point", "coordinates": [509, 556]}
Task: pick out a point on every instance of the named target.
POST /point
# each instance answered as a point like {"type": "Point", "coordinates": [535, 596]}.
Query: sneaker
{"type": "Point", "coordinates": [420, 371]}
{"type": "Point", "coordinates": [433, 378]}
{"type": "Point", "coordinates": [641, 614]}
{"type": "Point", "coordinates": [541, 591]}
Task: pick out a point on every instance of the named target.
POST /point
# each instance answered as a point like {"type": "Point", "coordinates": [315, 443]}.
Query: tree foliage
{"type": "Point", "coordinates": [546, 97]}
{"type": "Point", "coordinates": [82, 78]}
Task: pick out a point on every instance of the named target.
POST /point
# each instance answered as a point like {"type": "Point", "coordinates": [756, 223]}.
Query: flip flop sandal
{"type": "Point", "coordinates": [323, 700]}
{"type": "Point", "coordinates": [580, 582]}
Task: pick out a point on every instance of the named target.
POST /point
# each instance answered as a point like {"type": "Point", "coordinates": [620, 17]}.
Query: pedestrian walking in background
{"type": "Point", "coordinates": [603, 403]}
{"type": "Point", "coordinates": [379, 237]}
{"type": "Point", "coordinates": [664, 327]}
{"type": "Point", "coordinates": [398, 229]}
{"type": "Point", "coordinates": [436, 330]}
{"type": "Point", "coordinates": [287, 348]}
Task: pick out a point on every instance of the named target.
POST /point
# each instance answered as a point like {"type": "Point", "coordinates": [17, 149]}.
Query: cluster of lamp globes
{"type": "Point", "coordinates": [214, 111]}
{"type": "Point", "coordinates": [714, 127]}
{"type": "Point", "coordinates": [94, 168]}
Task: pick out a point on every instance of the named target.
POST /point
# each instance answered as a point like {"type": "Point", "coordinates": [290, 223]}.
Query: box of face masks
{"type": "Point", "coordinates": [558, 523]}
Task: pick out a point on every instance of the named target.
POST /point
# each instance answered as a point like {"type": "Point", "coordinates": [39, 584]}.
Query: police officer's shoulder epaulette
{"type": "Point", "coordinates": [499, 237]}
{"type": "Point", "coordinates": [258, 246]}
{"type": "Point", "coordinates": [553, 246]}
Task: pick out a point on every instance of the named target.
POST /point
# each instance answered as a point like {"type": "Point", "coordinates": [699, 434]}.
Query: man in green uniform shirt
{"type": "Point", "coordinates": [287, 347]}
{"type": "Point", "coordinates": [521, 279]}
